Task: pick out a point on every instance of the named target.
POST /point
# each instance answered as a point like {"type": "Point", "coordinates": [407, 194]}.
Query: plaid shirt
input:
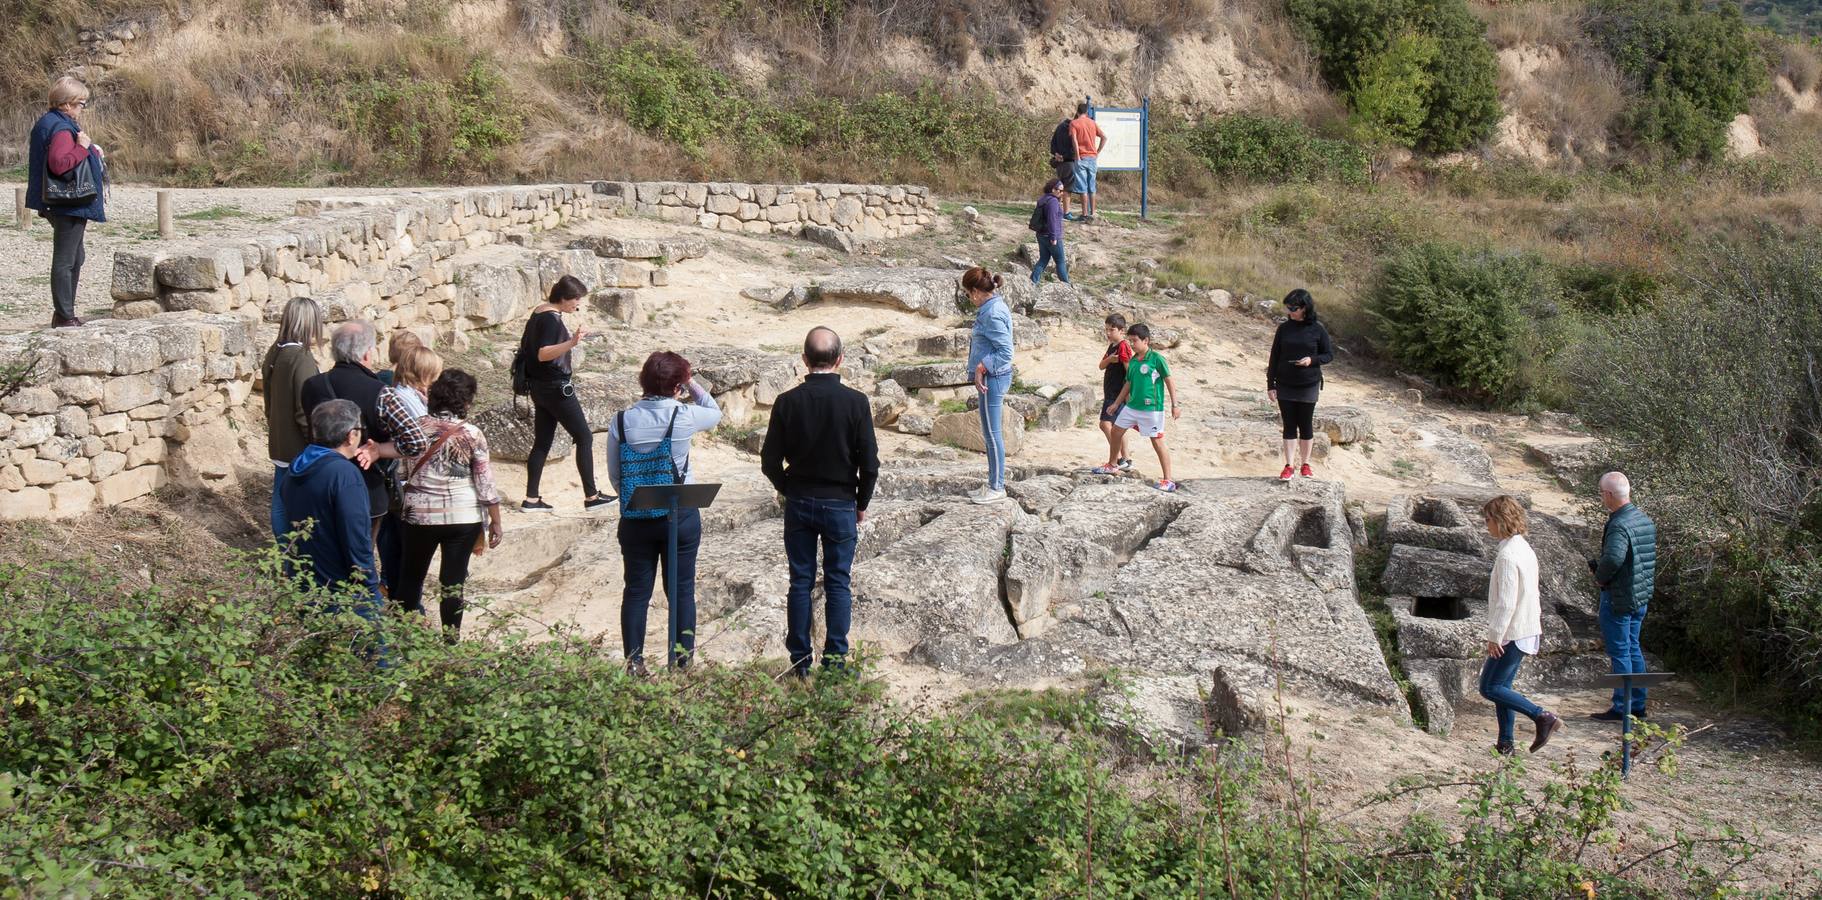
{"type": "Point", "coordinates": [407, 435]}
{"type": "Point", "coordinates": [455, 486]}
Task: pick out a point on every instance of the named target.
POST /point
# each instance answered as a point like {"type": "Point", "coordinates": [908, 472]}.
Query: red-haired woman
{"type": "Point", "coordinates": [649, 443]}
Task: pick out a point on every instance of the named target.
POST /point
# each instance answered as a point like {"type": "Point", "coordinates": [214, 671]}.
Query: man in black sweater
{"type": "Point", "coordinates": [820, 454]}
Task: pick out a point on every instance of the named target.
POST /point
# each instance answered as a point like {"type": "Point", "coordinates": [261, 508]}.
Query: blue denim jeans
{"type": "Point", "coordinates": [1049, 250]}
{"type": "Point", "coordinates": [1620, 632]}
{"type": "Point", "coordinates": [834, 525]}
{"type": "Point", "coordinates": [641, 554]}
{"type": "Point", "coordinates": [992, 403]}
{"type": "Point", "coordinates": [1496, 685]}
{"type": "Point", "coordinates": [278, 503]}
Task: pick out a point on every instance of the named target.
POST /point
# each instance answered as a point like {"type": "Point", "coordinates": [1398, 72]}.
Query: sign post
{"type": "Point", "coordinates": [1128, 146]}
{"type": "Point", "coordinates": [672, 498]}
{"type": "Point", "coordinates": [1626, 681]}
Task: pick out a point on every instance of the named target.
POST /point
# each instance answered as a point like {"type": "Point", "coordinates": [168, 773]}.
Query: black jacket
{"type": "Point", "coordinates": [1294, 341]}
{"type": "Point", "coordinates": [1061, 146]}
{"type": "Point", "coordinates": [353, 381]}
{"type": "Point", "coordinates": [819, 443]}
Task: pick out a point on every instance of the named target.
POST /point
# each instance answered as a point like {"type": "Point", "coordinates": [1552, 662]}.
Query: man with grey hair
{"type": "Point", "coordinates": [1626, 572]}
{"type": "Point", "coordinates": [325, 498]}
{"type": "Point", "coordinates": [821, 454]}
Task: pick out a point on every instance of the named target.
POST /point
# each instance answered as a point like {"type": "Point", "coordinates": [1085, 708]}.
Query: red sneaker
{"type": "Point", "coordinates": [1286, 474]}
{"type": "Point", "coordinates": [1306, 471]}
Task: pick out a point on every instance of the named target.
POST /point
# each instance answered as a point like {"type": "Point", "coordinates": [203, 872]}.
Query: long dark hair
{"type": "Point", "coordinates": [1302, 298]}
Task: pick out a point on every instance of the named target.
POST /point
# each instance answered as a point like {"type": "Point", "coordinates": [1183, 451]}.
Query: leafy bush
{"type": "Point", "coordinates": [1608, 289]}
{"type": "Point", "coordinates": [1263, 148]}
{"type": "Point", "coordinates": [1694, 66]}
{"type": "Point", "coordinates": [1710, 399]}
{"type": "Point", "coordinates": [240, 742]}
{"type": "Point", "coordinates": [449, 128]}
{"type": "Point", "coordinates": [1365, 50]}
{"type": "Point", "coordinates": [1474, 320]}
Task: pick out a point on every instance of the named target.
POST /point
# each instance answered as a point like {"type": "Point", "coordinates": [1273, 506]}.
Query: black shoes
{"type": "Point", "coordinates": [598, 501]}
{"type": "Point", "coordinates": [1611, 716]}
{"type": "Point", "coordinates": [636, 668]}
{"type": "Point", "coordinates": [1547, 725]}
{"type": "Point", "coordinates": [1503, 749]}
{"type": "Point", "coordinates": [535, 506]}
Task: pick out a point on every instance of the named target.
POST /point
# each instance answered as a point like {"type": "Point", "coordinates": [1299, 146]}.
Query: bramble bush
{"type": "Point", "coordinates": [1693, 65]}
{"type": "Point", "coordinates": [1276, 151]}
{"type": "Point", "coordinates": [240, 741]}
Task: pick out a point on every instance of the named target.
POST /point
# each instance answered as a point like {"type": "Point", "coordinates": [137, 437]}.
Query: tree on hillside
{"type": "Point", "coordinates": [1694, 68]}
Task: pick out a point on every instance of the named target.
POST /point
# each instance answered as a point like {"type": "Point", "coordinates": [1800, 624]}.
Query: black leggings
{"type": "Point", "coordinates": [1299, 419]}
{"type": "Point", "coordinates": [554, 403]}
{"type": "Point", "coordinates": [421, 542]}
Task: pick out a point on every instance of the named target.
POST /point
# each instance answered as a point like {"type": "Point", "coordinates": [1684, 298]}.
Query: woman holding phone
{"type": "Point", "coordinates": [544, 350]}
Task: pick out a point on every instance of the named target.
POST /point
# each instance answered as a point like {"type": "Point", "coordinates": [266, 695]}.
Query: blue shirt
{"type": "Point", "coordinates": [991, 341]}
{"type": "Point", "coordinates": [645, 425]}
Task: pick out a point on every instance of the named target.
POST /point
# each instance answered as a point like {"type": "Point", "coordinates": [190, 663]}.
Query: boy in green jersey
{"type": "Point", "coordinates": [1140, 405]}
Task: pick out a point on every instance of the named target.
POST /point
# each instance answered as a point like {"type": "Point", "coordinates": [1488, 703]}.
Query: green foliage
{"type": "Point", "coordinates": [1267, 149]}
{"type": "Point", "coordinates": [1608, 289]}
{"type": "Point", "coordinates": [1419, 72]}
{"type": "Point", "coordinates": [242, 741]}
{"type": "Point", "coordinates": [1475, 320]}
{"type": "Point", "coordinates": [1710, 399]}
{"type": "Point", "coordinates": [1695, 68]}
{"type": "Point", "coordinates": [450, 127]}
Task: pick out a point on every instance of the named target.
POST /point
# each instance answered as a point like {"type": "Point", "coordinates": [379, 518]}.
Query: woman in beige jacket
{"type": "Point", "coordinates": [1514, 624]}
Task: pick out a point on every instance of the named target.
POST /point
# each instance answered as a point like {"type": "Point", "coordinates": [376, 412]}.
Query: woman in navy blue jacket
{"type": "Point", "coordinates": [58, 146]}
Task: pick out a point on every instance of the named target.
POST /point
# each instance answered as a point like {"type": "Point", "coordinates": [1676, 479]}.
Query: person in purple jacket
{"type": "Point", "coordinates": [1047, 221]}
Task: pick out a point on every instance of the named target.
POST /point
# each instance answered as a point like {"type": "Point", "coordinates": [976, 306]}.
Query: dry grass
{"type": "Point", "coordinates": [1800, 64]}
{"type": "Point", "coordinates": [1536, 23]}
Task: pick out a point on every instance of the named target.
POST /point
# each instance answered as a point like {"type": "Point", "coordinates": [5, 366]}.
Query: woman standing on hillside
{"type": "Point", "coordinates": [990, 365]}
{"type": "Point", "coordinates": [289, 363]}
{"type": "Point", "coordinates": [544, 358]}
{"type": "Point", "coordinates": [1514, 624]}
{"type": "Point", "coordinates": [1293, 377]}
{"type": "Point", "coordinates": [63, 191]}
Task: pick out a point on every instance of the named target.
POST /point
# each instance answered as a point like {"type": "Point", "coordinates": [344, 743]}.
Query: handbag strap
{"type": "Point", "coordinates": [425, 459]}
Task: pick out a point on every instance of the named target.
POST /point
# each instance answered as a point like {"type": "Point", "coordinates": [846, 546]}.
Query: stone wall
{"type": "Point", "coordinates": [830, 214]}
{"type": "Point", "coordinates": [107, 406]}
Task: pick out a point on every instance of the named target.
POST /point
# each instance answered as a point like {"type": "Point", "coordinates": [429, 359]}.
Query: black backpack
{"type": "Point", "coordinates": [1038, 219]}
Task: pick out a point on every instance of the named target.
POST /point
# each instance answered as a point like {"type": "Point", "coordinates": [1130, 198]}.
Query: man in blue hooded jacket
{"type": "Point", "coordinates": [325, 497]}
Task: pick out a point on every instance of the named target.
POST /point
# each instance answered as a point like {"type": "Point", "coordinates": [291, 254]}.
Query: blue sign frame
{"type": "Point", "coordinates": [1144, 167]}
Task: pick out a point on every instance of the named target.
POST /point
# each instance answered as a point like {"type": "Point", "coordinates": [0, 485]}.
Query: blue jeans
{"type": "Point", "coordinates": [1496, 685]}
{"type": "Point", "coordinates": [641, 553]}
{"type": "Point", "coordinates": [1620, 632]}
{"type": "Point", "coordinates": [278, 503]}
{"type": "Point", "coordinates": [992, 403]}
{"type": "Point", "coordinates": [1050, 250]}
{"type": "Point", "coordinates": [835, 525]}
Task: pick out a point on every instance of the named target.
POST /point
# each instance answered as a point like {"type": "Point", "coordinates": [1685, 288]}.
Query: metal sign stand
{"type": "Point", "coordinates": [1144, 167]}
{"type": "Point", "coordinates": [1626, 681]}
{"type": "Point", "coordinates": [672, 498]}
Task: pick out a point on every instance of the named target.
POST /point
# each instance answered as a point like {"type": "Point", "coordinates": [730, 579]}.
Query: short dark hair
{"type": "Point", "coordinates": [1115, 320]}
{"type": "Point", "coordinates": [569, 287]}
{"type": "Point", "coordinates": [451, 394]}
{"type": "Point", "coordinates": [1140, 331]}
{"type": "Point", "coordinates": [821, 354]}
{"type": "Point", "coordinates": [1053, 185]}
{"type": "Point", "coordinates": [1081, 109]}
{"type": "Point", "coordinates": [663, 374]}
{"type": "Point", "coordinates": [333, 420]}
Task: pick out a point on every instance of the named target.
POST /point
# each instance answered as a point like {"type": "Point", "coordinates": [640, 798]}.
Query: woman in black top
{"type": "Point", "coordinates": [1293, 377]}
{"type": "Point", "coordinates": [546, 345]}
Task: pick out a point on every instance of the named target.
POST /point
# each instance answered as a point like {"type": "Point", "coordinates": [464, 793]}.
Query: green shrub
{"type": "Point", "coordinates": [450, 128]}
{"type": "Point", "coordinates": [1608, 289]}
{"type": "Point", "coordinates": [1357, 45]}
{"type": "Point", "coordinates": [1474, 320]}
{"type": "Point", "coordinates": [1694, 66]}
{"type": "Point", "coordinates": [1266, 149]}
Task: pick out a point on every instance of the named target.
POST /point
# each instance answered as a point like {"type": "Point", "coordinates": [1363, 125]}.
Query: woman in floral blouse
{"type": "Point", "coordinates": [449, 493]}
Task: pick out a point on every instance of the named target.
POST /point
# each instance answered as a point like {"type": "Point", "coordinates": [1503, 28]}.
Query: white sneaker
{"type": "Point", "coordinates": [985, 495]}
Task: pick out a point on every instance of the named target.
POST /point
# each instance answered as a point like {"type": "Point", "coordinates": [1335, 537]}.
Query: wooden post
{"type": "Point", "coordinates": [165, 228]}
{"type": "Point", "coordinates": [19, 208]}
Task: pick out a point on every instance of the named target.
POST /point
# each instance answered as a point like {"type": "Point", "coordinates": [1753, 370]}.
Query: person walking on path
{"type": "Point", "coordinates": [822, 456]}
{"type": "Point", "coordinates": [326, 498]}
{"type": "Point", "coordinates": [1626, 572]}
{"type": "Point", "coordinates": [289, 362]}
{"type": "Point", "coordinates": [1062, 157]}
{"type": "Point", "coordinates": [1514, 625]}
{"type": "Point", "coordinates": [1293, 378]}
{"type": "Point", "coordinates": [1047, 223]}
{"type": "Point", "coordinates": [1140, 404]}
{"type": "Point", "coordinates": [650, 444]}
{"type": "Point", "coordinates": [449, 493]}
{"type": "Point", "coordinates": [544, 356]}
{"type": "Point", "coordinates": [1089, 139]}
{"type": "Point", "coordinates": [57, 148]}
{"type": "Point", "coordinates": [990, 365]}
{"type": "Point", "coordinates": [1113, 380]}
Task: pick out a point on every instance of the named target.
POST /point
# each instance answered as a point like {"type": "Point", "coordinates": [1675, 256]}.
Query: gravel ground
{"type": "Point", "coordinates": [25, 256]}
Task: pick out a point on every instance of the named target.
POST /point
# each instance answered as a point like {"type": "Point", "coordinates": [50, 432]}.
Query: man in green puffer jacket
{"type": "Point", "coordinates": [1626, 572]}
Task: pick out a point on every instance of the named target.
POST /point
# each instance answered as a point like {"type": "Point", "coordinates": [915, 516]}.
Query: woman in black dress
{"type": "Point", "coordinates": [1293, 378]}
{"type": "Point", "coordinates": [544, 353]}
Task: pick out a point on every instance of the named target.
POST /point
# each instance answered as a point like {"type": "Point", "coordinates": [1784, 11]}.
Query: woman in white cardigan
{"type": "Point", "coordinates": [1514, 624]}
